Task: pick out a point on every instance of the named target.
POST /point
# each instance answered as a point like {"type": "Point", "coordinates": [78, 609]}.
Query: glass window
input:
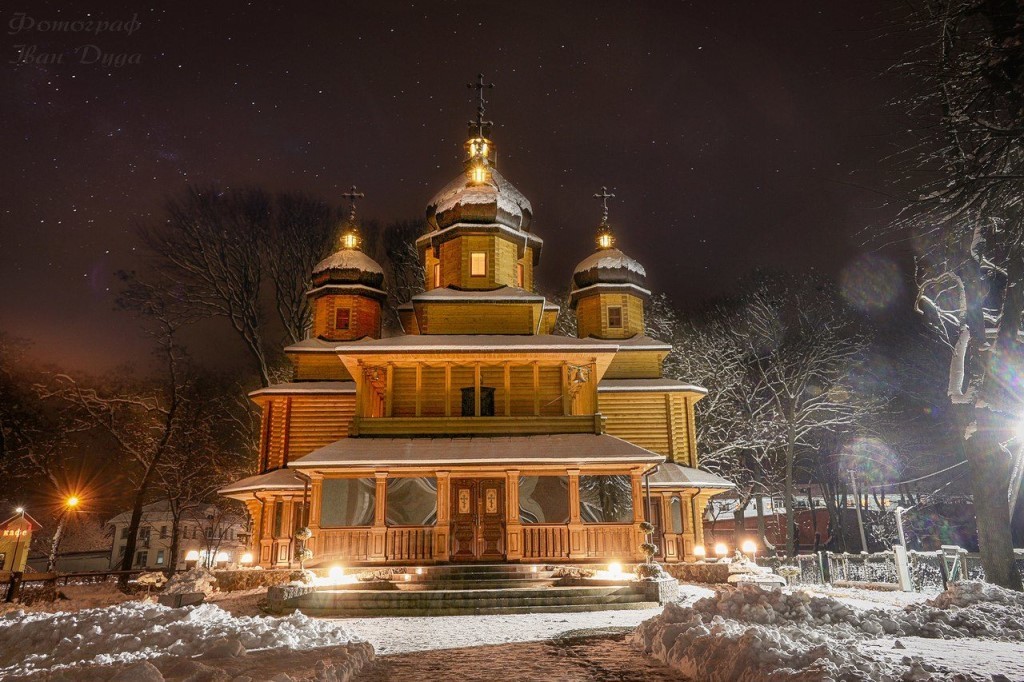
{"type": "Point", "coordinates": [278, 518]}
{"type": "Point", "coordinates": [160, 558]}
{"type": "Point", "coordinates": [544, 499]}
{"type": "Point", "coordinates": [141, 558]}
{"type": "Point", "coordinates": [615, 317]}
{"type": "Point", "coordinates": [347, 502]}
{"type": "Point", "coordinates": [606, 499]}
{"type": "Point", "coordinates": [411, 501]}
{"type": "Point", "coordinates": [675, 508]}
{"type": "Point", "coordinates": [478, 263]}
{"type": "Point", "coordinates": [163, 532]}
{"type": "Point", "coordinates": [342, 318]}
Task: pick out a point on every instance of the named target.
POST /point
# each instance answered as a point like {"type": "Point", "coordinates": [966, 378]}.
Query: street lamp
{"type": "Point", "coordinates": [70, 504]}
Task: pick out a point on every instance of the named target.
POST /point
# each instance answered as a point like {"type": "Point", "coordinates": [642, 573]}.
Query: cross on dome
{"type": "Point", "coordinates": [352, 195]}
{"type": "Point", "coordinates": [482, 126]}
{"type": "Point", "coordinates": [604, 195]}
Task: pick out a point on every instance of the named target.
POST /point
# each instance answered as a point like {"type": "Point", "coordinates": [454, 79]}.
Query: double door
{"type": "Point", "coordinates": [478, 519]}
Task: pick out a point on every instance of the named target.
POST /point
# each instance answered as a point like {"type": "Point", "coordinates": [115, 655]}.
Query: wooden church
{"type": "Point", "coordinates": [477, 434]}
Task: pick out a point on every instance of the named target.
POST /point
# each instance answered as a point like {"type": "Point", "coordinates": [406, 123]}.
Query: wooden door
{"type": "Point", "coordinates": [478, 519]}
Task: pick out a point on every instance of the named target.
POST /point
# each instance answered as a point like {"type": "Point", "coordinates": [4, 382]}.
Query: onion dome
{"type": "Point", "coordinates": [349, 265]}
{"type": "Point", "coordinates": [607, 265]}
{"type": "Point", "coordinates": [480, 194]}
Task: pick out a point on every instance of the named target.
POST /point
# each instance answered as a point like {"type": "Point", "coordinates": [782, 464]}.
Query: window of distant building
{"type": "Point", "coordinates": [478, 264]}
{"type": "Point", "coordinates": [163, 532]}
{"type": "Point", "coordinates": [160, 558]}
{"type": "Point", "coordinates": [615, 317]}
{"type": "Point", "coordinates": [141, 557]}
{"type": "Point", "coordinates": [342, 318]}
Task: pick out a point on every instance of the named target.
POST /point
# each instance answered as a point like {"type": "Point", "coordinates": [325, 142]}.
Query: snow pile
{"type": "Point", "coordinates": [749, 633]}
{"type": "Point", "coordinates": [135, 631]}
{"type": "Point", "coordinates": [196, 580]}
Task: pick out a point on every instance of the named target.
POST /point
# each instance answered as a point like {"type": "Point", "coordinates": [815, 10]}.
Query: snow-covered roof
{"type": "Point", "coordinates": [610, 259]}
{"type": "Point", "coordinates": [348, 259]}
{"type": "Point", "coordinates": [641, 385]}
{"type": "Point", "coordinates": [561, 448]}
{"type": "Point", "coordinates": [672, 475]}
{"type": "Point", "coordinates": [499, 295]}
{"type": "Point", "coordinates": [496, 200]}
{"type": "Point", "coordinates": [279, 479]}
{"type": "Point", "coordinates": [307, 388]}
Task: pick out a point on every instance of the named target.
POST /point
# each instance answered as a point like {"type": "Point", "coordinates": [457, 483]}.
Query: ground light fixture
{"type": "Point", "coordinates": [192, 555]}
{"type": "Point", "coordinates": [336, 573]}
{"type": "Point", "coordinates": [750, 548]}
{"type": "Point", "coordinates": [699, 552]}
{"type": "Point", "coordinates": [721, 550]}
{"type": "Point", "coordinates": [615, 569]}
{"type": "Point", "coordinates": [246, 558]}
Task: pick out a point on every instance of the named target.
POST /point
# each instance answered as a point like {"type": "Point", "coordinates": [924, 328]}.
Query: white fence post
{"type": "Point", "coordinates": [903, 568]}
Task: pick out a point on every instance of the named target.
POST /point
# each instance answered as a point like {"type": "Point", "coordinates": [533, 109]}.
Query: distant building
{"type": "Point", "coordinates": [207, 536]}
{"type": "Point", "coordinates": [15, 538]}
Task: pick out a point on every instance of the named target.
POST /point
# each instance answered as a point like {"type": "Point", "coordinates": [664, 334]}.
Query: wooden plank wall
{"type": "Point", "coordinates": [316, 421]}
{"type": "Point", "coordinates": [643, 418]}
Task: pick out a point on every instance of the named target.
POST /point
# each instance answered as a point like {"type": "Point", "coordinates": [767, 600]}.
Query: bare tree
{"type": "Point", "coordinates": [965, 217]}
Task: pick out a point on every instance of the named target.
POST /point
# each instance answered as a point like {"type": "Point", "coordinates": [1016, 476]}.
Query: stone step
{"type": "Point", "coordinates": [441, 595]}
{"type": "Point", "coordinates": [458, 600]}
{"type": "Point", "coordinates": [477, 609]}
{"type": "Point", "coordinates": [479, 568]}
{"type": "Point", "coordinates": [495, 583]}
{"type": "Point", "coordinates": [471, 576]}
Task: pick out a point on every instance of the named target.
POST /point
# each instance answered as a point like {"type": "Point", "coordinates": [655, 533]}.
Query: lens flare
{"type": "Point", "coordinates": [871, 283]}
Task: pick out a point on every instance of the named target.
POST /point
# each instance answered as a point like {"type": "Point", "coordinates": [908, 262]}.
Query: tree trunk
{"type": "Point", "coordinates": [134, 523]}
{"type": "Point", "coordinates": [762, 530]}
{"type": "Point", "coordinates": [172, 561]}
{"type": "Point", "coordinates": [739, 526]}
{"type": "Point", "coordinates": [990, 471]}
{"type": "Point", "coordinates": [51, 562]}
{"type": "Point", "coordinates": [791, 540]}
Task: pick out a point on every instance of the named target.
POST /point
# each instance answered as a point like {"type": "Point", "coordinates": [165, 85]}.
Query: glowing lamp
{"type": "Point", "coordinates": [72, 501]}
{"type": "Point", "coordinates": [615, 568]}
{"type": "Point", "coordinates": [749, 547]}
{"type": "Point", "coordinates": [721, 550]}
{"type": "Point", "coordinates": [408, 577]}
{"type": "Point", "coordinates": [336, 573]}
{"type": "Point", "coordinates": [192, 555]}
{"type": "Point", "coordinates": [19, 510]}
{"type": "Point", "coordinates": [700, 552]}
{"type": "Point", "coordinates": [533, 569]}
{"type": "Point", "coordinates": [604, 241]}
{"type": "Point", "coordinates": [478, 175]}
{"type": "Point", "coordinates": [350, 240]}
{"type": "Point", "coordinates": [222, 556]}
{"type": "Point", "coordinates": [247, 558]}
{"type": "Point", "coordinates": [419, 570]}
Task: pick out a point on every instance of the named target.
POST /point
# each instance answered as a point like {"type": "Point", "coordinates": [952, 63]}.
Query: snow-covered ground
{"type": "Point", "coordinates": [746, 634]}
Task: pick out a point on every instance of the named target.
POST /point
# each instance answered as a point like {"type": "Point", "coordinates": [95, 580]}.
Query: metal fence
{"type": "Point", "coordinates": [929, 571]}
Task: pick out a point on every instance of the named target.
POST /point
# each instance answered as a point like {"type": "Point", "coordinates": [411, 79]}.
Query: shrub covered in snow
{"type": "Point", "coordinates": [135, 631]}
{"type": "Point", "coordinates": [198, 579]}
{"type": "Point", "coordinates": [749, 633]}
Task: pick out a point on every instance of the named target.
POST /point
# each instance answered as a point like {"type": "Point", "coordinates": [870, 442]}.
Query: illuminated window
{"type": "Point", "coordinates": [615, 317]}
{"type": "Point", "coordinates": [520, 275]}
{"type": "Point", "coordinates": [342, 318]}
{"type": "Point", "coordinates": [478, 264]}
{"type": "Point", "coordinates": [437, 275]}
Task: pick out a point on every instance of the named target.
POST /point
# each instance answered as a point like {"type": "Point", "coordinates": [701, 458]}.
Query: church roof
{"type": "Point", "coordinates": [348, 266]}
{"type": "Point", "coordinates": [609, 266]}
{"type": "Point", "coordinates": [279, 479]}
{"type": "Point", "coordinates": [562, 448]}
{"type": "Point", "coordinates": [493, 201]}
{"type": "Point", "coordinates": [672, 475]}
{"type": "Point", "coordinates": [500, 295]}
{"type": "Point", "coordinates": [641, 385]}
{"type": "Point", "coordinates": [475, 342]}
{"type": "Point", "coordinates": [307, 388]}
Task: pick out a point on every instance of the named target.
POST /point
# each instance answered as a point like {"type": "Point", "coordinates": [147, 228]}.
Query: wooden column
{"type": "Point", "coordinates": [443, 527]}
{"type": "Point", "coordinates": [316, 496]}
{"type": "Point", "coordinates": [536, 389]}
{"type": "Point", "coordinates": [419, 389]}
{"type": "Point", "coordinates": [447, 389]}
{"type": "Point", "coordinates": [361, 391]}
{"type": "Point", "coordinates": [379, 532]}
{"type": "Point", "coordinates": [671, 428]}
{"type": "Point", "coordinates": [577, 533]}
{"type": "Point", "coordinates": [636, 480]}
{"type": "Point", "coordinates": [476, 389]}
{"type": "Point", "coordinates": [513, 525]}
{"type": "Point", "coordinates": [566, 398]}
{"type": "Point", "coordinates": [508, 389]}
{"type": "Point", "coordinates": [389, 389]}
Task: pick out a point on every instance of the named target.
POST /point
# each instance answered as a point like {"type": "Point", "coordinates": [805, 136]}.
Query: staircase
{"type": "Point", "coordinates": [472, 590]}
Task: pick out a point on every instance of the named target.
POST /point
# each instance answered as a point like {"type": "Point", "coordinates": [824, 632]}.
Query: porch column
{"type": "Point", "coordinates": [316, 491]}
{"type": "Point", "coordinates": [698, 522]}
{"type": "Point", "coordinates": [443, 526]}
{"type": "Point", "coordinates": [637, 482]}
{"type": "Point", "coordinates": [253, 507]}
{"type": "Point", "coordinates": [670, 538]}
{"type": "Point", "coordinates": [513, 525]}
{"type": "Point", "coordinates": [379, 532]}
{"type": "Point", "coordinates": [389, 389]}
{"type": "Point", "coordinates": [577, 533]}
{"type": "Point", "coordinates": [266, 546]}
{"type": "Point", "coordinates": [566, 398]}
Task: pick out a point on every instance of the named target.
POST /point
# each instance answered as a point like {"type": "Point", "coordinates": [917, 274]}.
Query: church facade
{"type": "Point", "coordinates": [477, 433]}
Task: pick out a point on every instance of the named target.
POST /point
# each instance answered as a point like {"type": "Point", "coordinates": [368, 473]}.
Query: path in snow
{"type": "Point", "coordinates": [979, 658]}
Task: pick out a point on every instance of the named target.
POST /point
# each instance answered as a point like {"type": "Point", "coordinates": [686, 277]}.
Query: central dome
{"type": "Point", "coordinates": [492, 201]}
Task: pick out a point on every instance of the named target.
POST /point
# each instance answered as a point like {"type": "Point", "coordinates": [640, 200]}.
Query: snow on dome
{"type": "Point", "coordinates": [348, 259]}
{"type": "Point", "coordinates": [610, 259]}
{"type": "Point", "coordinates": [495, 201]}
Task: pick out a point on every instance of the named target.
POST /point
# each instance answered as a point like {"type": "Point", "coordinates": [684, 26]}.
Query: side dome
{"type": "Point", "coordinates": [608, 266]}
{"type": "Point", "coordinates": [492, 201]}
{"type": "Point", "coordinates": [348, 266]}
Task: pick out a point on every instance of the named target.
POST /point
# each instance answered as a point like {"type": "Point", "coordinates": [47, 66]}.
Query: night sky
{"type": "Point", "coordinates": [735, 134]}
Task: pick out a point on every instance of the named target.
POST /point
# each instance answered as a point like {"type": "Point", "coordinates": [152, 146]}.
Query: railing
{"type": "Point", "coordinates": [410, 544]}
{"type": "Point", "coordinates": [348, 543]}
{"type": "Point", "coordinates": [545, 542]}
{"type": "Point", "coordinates": [442, 426]}
{"type": "Point", "coordinates": [608, 542]}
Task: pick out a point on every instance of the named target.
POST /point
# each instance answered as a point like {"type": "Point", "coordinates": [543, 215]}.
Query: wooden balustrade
{"type": "Point", "coordinates": [608, 541]}
{"type": "Point", "coordinates": [545, 542]}
{"type": "Point", "coordinates": [410, 544]}
{"type": "Point", "coordinates": [440, 426]}
{"type": "Point", "coordinates": [351, 544]}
